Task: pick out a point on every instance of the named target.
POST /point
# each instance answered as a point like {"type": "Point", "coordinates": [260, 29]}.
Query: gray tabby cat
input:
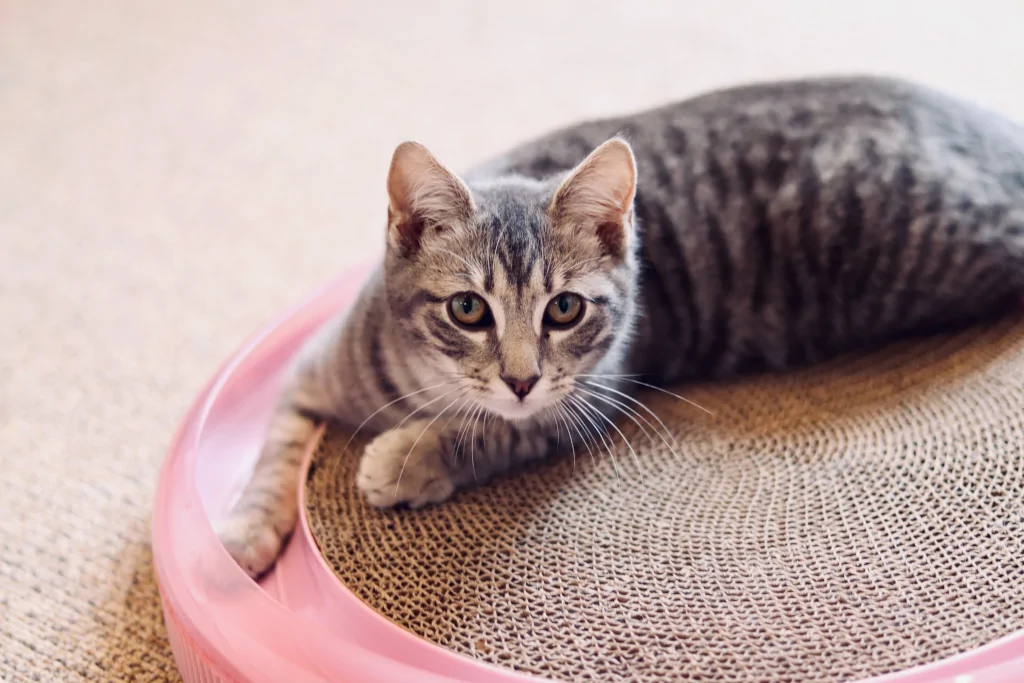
{"type": "Point", "coordinates": [757, 228]}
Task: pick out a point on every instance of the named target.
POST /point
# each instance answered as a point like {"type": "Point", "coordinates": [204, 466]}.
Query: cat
{"type": "Point", "coordinates": [756, 228]}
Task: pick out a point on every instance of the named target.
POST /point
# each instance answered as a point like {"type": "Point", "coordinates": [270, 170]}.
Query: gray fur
{"type": "Point", "coordinates": [773, 226]}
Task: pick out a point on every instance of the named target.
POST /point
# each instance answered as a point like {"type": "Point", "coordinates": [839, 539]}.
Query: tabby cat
{"type": "Point", "coordinates": [756, 228]}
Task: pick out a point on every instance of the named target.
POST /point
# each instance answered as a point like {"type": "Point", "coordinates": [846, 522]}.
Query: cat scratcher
{"type": "Point", "coordinates": [860, 519]}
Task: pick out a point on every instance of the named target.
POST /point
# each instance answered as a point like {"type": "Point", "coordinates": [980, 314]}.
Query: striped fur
{"type": "Point", "coordinates": [757, 228]}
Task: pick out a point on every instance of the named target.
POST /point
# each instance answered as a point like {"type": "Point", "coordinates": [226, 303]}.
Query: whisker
{"type": "Point", "coordinates": [483, 430]}
{"type": "Point", "coordinates": [657, 388]}
{"type": "Point", "coordinates": [385, 407]}
{"type": "Point", "coordinates": [549, 410]}
{"type": "Point", "coordinates": [464, 430]}
{"type": "Point", "coordinates": [398, 482]}
{"type": "Point", "coordinates": [465, 404]}
{"type": "Point", "coordinates": [472, 445]}
{"type": "Point", "coordinates": [580, 426]}
{"type": "Point", "coordinates": [458, 434]}
{"type": "Point", "coordinates": [456, 375]}
{"type": "Point", "coordinates": [630, 413]}
{"type": "Point", "coordinates": [568, 434]}
{"type": "Point", "coordinates": [474, 419]}
{"type": "Point", "coordinates": [605, 441]}
{"type": "Point", "coordinates": [623, 408]}
{"type": "Point", "coordinates": [562, 408]}
{"type": "Point", "coordinates": [616, 428]}
{"type": "Point", "coordinates": [430, 402]}
{"type": "Point", "coordinates": [639, 403]}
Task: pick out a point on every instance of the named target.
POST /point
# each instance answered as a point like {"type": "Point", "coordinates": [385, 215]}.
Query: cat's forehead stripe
{"type": "Point", "coordinates": [513, 230]}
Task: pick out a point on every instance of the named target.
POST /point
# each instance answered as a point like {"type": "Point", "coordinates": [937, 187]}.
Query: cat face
{"type": "Point", "coordinates": [511, 288]}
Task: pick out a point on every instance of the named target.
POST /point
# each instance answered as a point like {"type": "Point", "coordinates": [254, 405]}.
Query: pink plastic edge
{"type": "Point", "coordinates": [301, 625]}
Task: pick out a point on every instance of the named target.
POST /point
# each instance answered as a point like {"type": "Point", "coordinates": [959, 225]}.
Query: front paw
{"type": "Point", "coordinates": [252, 541]}
{"type": "Point", "coordinates": [396, 468]}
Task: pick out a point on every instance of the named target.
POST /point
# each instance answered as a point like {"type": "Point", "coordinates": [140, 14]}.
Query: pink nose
{"type": "Point", "coordinates": [520, 387]}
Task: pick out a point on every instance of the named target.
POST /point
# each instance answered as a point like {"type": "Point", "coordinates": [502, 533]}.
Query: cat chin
{"type": "Point", "coordinates": [514, 411]}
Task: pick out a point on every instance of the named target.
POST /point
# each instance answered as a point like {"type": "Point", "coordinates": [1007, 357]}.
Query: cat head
{"type": "Point", "coordinates": [510, 288]}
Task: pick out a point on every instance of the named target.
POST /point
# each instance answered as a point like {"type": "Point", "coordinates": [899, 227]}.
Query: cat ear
{"type": "Point", "coordinates": [422, 194]}
{"type": "Point", "coordinates": [598, 194]}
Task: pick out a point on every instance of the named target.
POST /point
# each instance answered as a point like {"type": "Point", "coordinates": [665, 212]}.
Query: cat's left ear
{"type": "Point", "coordinates": [598, 195]}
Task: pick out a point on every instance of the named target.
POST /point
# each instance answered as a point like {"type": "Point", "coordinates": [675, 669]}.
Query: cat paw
{"type": "Point", "coordinates": [252, 541]}
{"type": "Point", "coordinates": [396, 469]}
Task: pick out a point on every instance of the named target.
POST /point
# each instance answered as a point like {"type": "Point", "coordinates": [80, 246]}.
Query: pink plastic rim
{"type": "Point", "coordinates": [300, 624]}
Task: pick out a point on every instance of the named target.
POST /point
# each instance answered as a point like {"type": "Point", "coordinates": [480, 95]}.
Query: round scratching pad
{"type": "Point", "coordinates": [853, 519]}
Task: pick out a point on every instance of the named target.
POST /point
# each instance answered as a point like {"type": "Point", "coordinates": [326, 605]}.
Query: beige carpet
{"type": "Point", "coordinates": [173, 173]}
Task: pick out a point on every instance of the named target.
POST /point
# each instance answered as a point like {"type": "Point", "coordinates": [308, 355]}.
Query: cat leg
{"type": "Point", "coordinates": [262, 519]}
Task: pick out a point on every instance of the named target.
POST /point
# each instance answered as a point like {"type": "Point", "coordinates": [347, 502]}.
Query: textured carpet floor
{"type": "Point", "coordinates": [173, 173]}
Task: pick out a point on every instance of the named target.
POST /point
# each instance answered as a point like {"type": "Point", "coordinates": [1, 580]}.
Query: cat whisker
{"type": "Point", "coordinates": [461, 411]}
{"type": "Point", "coordinates": [572, 419]}
{"type": "Point", "coordinates": [656, 388]}
{"type": "Point", "coordinates": [464, 429]}
{"type": "Point", "coordinates": [468, 439]}
{"type": "Point", "coordinates": [578, 408]}
{"type": "Point", "coordinates": [626, 410]}
{"type": "Point", "coordinates": [455, 374]}
{"type": "Point", "coordinates": [472, 443]}
{"type": "Point", "coordinates": [428, 403]}
{"type": "Point", "coordinates": [483, 430]}
{"type": "Point", "coordinates": [639, 403]}
{"type": "Point", "coordinates": [614, 426]}
{"type": "Point", "coordinates": [398, 482]}
{"type": "Point", "coordinates": [458, 435]}
{"type": "Point", "coordinates": [465, 404]}
{"type": "Point", "coordinates": [385, 407]}
{"type": "Point", "coordinates": [580, 425]}
{"type": "Point", "coordinates": [568, 434]}
{"type": "Point", "coordinates": [548, 410]}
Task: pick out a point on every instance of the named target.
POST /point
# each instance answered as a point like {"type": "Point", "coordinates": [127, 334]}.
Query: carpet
{"type": "Point", "coordinates": [174, 174]}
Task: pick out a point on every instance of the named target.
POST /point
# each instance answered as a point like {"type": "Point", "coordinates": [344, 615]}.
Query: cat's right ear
{"type": "Point", "coordinates": [423, 194]}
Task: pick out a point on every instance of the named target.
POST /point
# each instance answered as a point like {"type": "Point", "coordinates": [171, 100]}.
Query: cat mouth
{"type": "Point", "coordinates": [515, 409]}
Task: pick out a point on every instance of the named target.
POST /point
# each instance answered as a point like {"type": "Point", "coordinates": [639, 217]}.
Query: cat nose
{"type": "Point", "coordinates": [520, 387]}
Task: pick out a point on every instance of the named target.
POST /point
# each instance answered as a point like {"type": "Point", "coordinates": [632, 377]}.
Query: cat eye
{"type": "Point", "coordinates": [564, 310]}
{"type": "Point", "coordinates": [469, 310]}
